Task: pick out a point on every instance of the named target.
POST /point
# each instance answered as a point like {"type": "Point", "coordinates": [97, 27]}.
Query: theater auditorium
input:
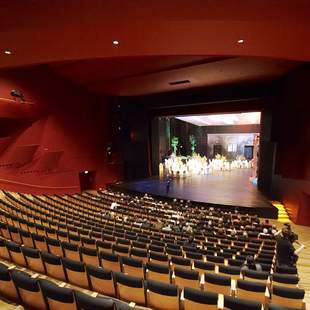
{"type": "Point", "coordinates": [154, 154]}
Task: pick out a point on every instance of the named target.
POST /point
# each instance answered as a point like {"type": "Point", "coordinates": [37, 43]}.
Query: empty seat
{"type": "Point", "coordinates": [87, 302]}
{"type": "Point", "coordinates": [216, 283]}
{"type": "Point", "coordinates": [53, 266]}
{"type": "Point", "coordinates": [215, 259]}
{"type": "Point", "coordinates": [26, 238]}
{"type": "Point", "coordinates": [89, 256]}
{"type": "Point", "coordinates": [29, 290]}
{"type": "Point", "coordinates": [288, 280]}
{"type": "Point", "coordinates": [252, 290]}
{"type": "Point", "coordinates": [33, 259]}
{"type": "Point", "coordinates": [233, 303]}
{"type": "Point", "coordinates": [161, 295]}
{"type": "Point", "coordinates": [139, 254]}
{"type": "Point", "coordinates": [157, 272]}
{"type": "Point", "coordinates": [120, 249]}
{"type": "Point", "coordinates": [104, 246]}
{"type": "Point", "coordinates": [71, 250]}
{"type": "Point", "coordinates": [39, 242]}
{"type": "Point", "coordinates": [16, 253]}
{"type": "Point", "coordinates": [14, 232]}
{"type": "Point", "coordinates": [57, 297]}
{"type": "Point", "coordinates": [199, 300]}
{"type": "Point", "coordinates": [194, 255]}
{"type": "Point", "coordinates": [231, 271]}
{"type": "Point", "coordinates": [286, 270]}
{"type": "Point", "coordinates": [88, 242]}
{"type": "Point", "coordinates": [288, 297]}
{"type": "Point", "coordinates": [159, 258]}
{"type": "Point", "coordinates": [186, 278]}
{"type": "Point", "coordinates": [180, 262]}
{"type": "Point", "coordinates": [130, 288]}
{"type": "Point", "coordinates": [101, 280]}
{"type": "Point", "coordinates": [174, 252]}
{"type": "Point", "coordinates": [203, 267]}
{"type": "Point", "coordinates": [54, 246]}
{"type": "Point", "coordinates": [132, 266]}
{"type": "Point", "coordinates": [257, 276]}
{"type": "Point", "coordinates": [4, 253]}
{"type": "Point", "coordinates": [110, 261]}
{"type": "Point", "coordinates": [7, 287]}
{"type": "Point", "coordinates": [4, 231]}
{"type": "Point", "coordinates": [75, 272]}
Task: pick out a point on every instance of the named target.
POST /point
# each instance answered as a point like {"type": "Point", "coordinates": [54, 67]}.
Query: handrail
{"type": "Point", "coordinates": [38, 186]}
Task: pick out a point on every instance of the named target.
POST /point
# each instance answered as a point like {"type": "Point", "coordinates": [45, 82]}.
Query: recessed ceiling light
{"type": "Point", "coordinates": [7, 52]}
{"type": "Point", "coordinates": [240, 41]}
{"type": "Point", "coordinates": [115, 42]}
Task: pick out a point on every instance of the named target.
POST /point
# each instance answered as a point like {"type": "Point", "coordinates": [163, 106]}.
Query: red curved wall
{"type": "Point", "coordinates": [69, 136]}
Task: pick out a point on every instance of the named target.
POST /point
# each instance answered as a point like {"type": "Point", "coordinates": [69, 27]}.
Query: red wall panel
{"type": "Point", "coordinates": [72, 123]}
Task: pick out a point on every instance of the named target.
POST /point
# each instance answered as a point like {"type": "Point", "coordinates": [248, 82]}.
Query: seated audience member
{"type": "Point", "coordinates": [250, 264]}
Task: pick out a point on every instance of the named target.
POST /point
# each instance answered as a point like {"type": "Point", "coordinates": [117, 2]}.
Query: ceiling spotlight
{"type": "Point", "coordinates": [85, 171]}
{"type": "Point", "coordinates": [115, 42]}
{"type": "Point", "coordinates": [240, 41]}
{"type": "Point", "coordinates": [7, 52]}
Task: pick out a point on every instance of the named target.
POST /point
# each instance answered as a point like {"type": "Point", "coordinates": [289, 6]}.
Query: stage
{"type": "Point", "coordinates": [222, 189]}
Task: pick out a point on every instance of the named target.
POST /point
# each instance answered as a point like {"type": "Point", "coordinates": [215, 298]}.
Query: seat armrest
{"type": "Point", "coordinates": [220, 301]}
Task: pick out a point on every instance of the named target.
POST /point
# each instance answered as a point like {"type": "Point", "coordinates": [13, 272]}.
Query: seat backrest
{"type": "Point", "coordinates": [218, 284]}
{"type": "Point", "coordinates": [180, 261]}
{"type": "Point", "coordinates": [54, 246]}
{"type": "Point", "coordinates": [110, 261]}
{"type": "Point", "coordinates": [234, 303]}
{"type": "Point", "coordinates": [75, 272]}
{"type": "Point", "coordinates": [232, 271]}
{"type": "Point", "coordinates": [89, 256]}
{"type": "Point", "coordinates": [253, 275]}
{"type": "Point", "coordinates": [157, 272]}
{"type": "Point", "coordinates": [71, 250]}
{"type": "Point", "coordinates": [29, 290]}
{"type": "Point", "coordinates": [288, 280]}
{"type": "Point", "coordinates": [16, 253]}
{"type": "Point", "coordinates": [57, 297]}
{"type": "Point", "coordinates": [288, 297]}
{"type": "Point", "coordinates": [132, 266]}
{"type": "Point", "coordinates": [159, 294]}
{"type": "Point", "coordinates": [130, 288]}
{"type": "Point", "coordinates": [199, 300]}
{"type": "Point", "coordinates": [87, 302]}
{"type": "Point", "coordinates": [33, 259]}
{"type": "Point", "coordinates": [7, 287]}
{"type": "Point", "coordinates": [251, 290]}
{"type": "Point", "coordinates": [101, 280]}
{"type": "Point", "coordinates": [53, 266]}
{"type": "Point", "coordinates": [186, 278]}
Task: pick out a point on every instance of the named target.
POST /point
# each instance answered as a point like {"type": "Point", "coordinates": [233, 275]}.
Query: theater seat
{"type": "Point", "coordinates": [29, 290]}
{"type": "Point", "coordinates": [132, 266]}
{"type": "Point", "coordinates": [87, 302]}
{"type": "Point", "coordinates": [101, 280]}
{"type": "Point", "coordinates": [130, 289]}
{"type": "Point", "coordinates": [57, 297]}
{"type": "Point", "coordinates": [252, 290]}
{"type": "Point", "coordinates": [110, 261]}
{"type": "Point", "coordinates": [231, 271]}
{"type": "Point", "coordinates": [288, 297]}
{"type": "Point", "coordinates": [181, 262]}
{"type": "Point", "coordinates": [257, 276]}
{"type": "Point", "coordinates": [288, 280]}
{"type": "Point", "coordinates": [157, 272]}
{"type": "Point", "coordinates": [89, 256]}
{"type": "Point", "coordinates": [158, 258]}
{"type": "Point", "coordinates": [203, 267]}
{"type": "Point", "coordinates": [33, 259]}
{"type": "Point", "coordinates": [54, 246]}
{"type": "Point", "coordinates": [233, 303]}
{"type": "Point", "coordinates": [186, 278]}
{"type": "Point", "coordinates": [7, 287]}
{"type": "Point", "coordinates": [217, 284]}
{"type": "Point", "coordinates": [26, 238]}
{"type": "Point", "coordinates": [71, 251]}
{"type": "Point", "coordinates": [75, 272]}
{"type": "Point", "coordinates": [53, 266]}
{"type": "Point", "coordinates": [161, 295]}
{"type": "Point", "coordinates": [4, 252]}
{"type": "Point", "coordinates": [16, 253]}
{"type": "Point", "coordinates": [199, 300]}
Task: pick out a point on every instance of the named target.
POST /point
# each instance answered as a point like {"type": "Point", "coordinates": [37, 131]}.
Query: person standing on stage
{"type": "Point", "coordinates": [168, 183]}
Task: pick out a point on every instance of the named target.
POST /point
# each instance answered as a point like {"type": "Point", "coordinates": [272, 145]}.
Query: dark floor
{"type": "Point", "coordinates": [225, 188]}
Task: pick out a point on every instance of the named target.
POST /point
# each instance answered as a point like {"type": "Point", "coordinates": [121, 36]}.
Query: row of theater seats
{"type": "Point", "coordinates": [127, 270]}
{"type": "Point", "coordinates": [40, 294]}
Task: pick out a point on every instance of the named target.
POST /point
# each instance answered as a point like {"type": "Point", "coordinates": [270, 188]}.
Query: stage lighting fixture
{"type": "Point", "coordinates": [85, 171]}
{"type": "Point", "coordinates": [240, 41]}
{"type": "Point", "coordinates": [115, 42]}
{"type": "Point", "coordinates": [7, 52]}
{"type": "Point", "coordinates": [17, 94]}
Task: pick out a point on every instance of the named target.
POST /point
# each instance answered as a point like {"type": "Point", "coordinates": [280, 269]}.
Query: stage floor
{"type": "Point", "coordinates": [222, 188]}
